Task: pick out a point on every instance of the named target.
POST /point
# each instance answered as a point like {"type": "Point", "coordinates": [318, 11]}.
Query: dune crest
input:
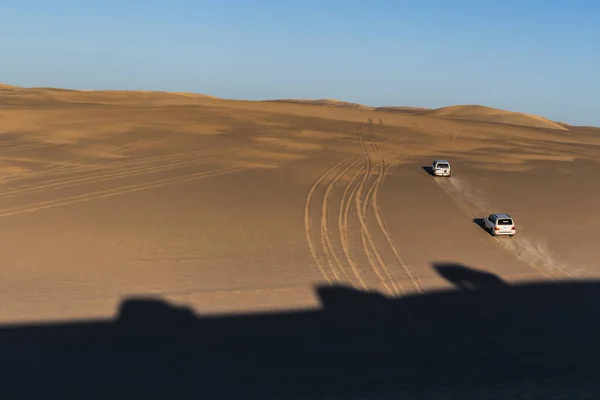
{"type": "Point", "coordinates": [489, 114]}
{"type": "Point", "coordinates": [402, 109]}
{"type": "Point", "coordinates": [156, 97]}
{"type": "Point", "coordinates": [115, 97]}
{"type": "Point", "coordinates": [325, 102]}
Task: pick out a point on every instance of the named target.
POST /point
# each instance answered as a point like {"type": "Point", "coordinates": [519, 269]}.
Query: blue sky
{"type": "Point", "coordinates": [534, 56]}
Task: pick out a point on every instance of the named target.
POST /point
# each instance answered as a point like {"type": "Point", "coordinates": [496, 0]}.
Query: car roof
{"type": "Point", "coordinates": [446, 161]}
{"type": "Point", "coordinates": [502, 216]}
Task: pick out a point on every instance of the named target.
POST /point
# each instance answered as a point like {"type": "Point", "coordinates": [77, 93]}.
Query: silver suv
{"type": "Point", "coordinates": [441, 168]}
{"type": "Point", "coordinates": [499, 224]}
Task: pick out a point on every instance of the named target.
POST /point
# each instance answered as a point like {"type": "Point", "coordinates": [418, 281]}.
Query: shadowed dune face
{"type": "Point", "coordinates": [230, 205]}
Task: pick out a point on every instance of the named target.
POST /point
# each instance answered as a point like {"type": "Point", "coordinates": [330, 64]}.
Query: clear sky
{"type": "Point", "coordinates": [536, 56]}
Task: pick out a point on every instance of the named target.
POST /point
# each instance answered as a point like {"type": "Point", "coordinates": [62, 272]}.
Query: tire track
{"type": "Point", "coordinates": [119, 150]}
{"type": "Point", "coordinates": [372, 194]}
{"type": "Point", "coordinates": [361, 192]}
{"type": "Point", "coordinates": [115, 192]}
{"type": "Point", "coordinates": [68, 182]}
{"type": "Point", "coordinates": [374, 197]}
{"type": "Point", "coordinates": [382, 269]}
{"type": "Point", "coordinates": [369, 246]}
{"type": "Point", "coordinates": [5, 150]}
{"type": "Point", "coordinates": [385, 231]}
{"type": "Point", "coordinates": [16, 143]}
{"type": "Point", "coordinates": [533, 257]}
{"type": "Point", "coordinates": [372, 136]}
{"type": "Point", "coordinates": [345, 204]}
{"type": "Point", "coordinates": [307, 218]}
{"type": "Point", "coordinates": [65, 168]}
{"type": "Point", "coordinates": [330, 252]}
{"type": "Point", "coordinates": [116, 164]}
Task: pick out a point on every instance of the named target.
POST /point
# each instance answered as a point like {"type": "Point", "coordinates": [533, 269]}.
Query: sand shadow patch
{"type": "Point", "coordinates": [428, 170]}
{"type": "Point", "coordinates": [480, 223]}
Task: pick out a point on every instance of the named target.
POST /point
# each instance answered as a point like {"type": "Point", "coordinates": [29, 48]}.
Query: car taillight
{"type": "Point", "coordinates": [497, 228]}
{"type": "Point", "coordinates": [513, 228]}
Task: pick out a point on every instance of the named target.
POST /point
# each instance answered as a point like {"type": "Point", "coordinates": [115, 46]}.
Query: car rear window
{"type": "Point", "coordinates": [443, 165]}
{"type": "Point", "coordinates": [504, 221]}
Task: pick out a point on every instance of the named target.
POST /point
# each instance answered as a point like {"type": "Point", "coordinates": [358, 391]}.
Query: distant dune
{"type": "Point", "coordinates": [325, 102]}
{"type": "Point", "coordinates": [464, 112]}
{"type": "Point", "coordinates": [402, 110]}
{"type": "Point", "coordinates": [346, 104]}
{"type": "Point", "coordinates": [121, 97]}
{"type": "Point", "coordinates": [488, 114]}
{"type": "Point", "coordinates": [148, 97]}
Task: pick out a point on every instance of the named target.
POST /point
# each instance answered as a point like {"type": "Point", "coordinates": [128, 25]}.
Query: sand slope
{"type": "Point", "coordinates": [488, 114]}
{"type": "Point", "coordinates": [230, 205]}
{"type": "Point", "coordinates": [118, 97]}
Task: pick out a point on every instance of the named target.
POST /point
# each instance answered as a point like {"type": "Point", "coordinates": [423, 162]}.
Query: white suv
{"type": "Point", "coordinates": [441, 168]}
{"type": "Point", "coordinates": [499, 224]}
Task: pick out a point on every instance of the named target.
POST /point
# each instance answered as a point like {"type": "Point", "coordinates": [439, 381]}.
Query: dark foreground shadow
{"type": "Point", "coordinates": [493, 340]}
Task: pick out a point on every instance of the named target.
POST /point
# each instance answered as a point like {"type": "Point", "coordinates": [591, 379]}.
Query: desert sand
{"type": "Point", "coordinates": [241, 206]}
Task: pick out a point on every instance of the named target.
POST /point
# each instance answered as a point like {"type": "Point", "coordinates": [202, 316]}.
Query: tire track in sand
{"type": "Point", "coordinates": [100, 177]}
{"type": "Point", "coordinates": [110, 165]}
{"type": "Point", "coordinates": [114, 192]}
{"type": "Point", "coordinates": [363, 194]}
{"type": "Point", "coordinates": [351, 271]}
{"type": "Point", "coordinates": [330, 252]}
{"type": "Point", "coordinates": [119, 150]}
{"type": "Point", "coordinates": [384, 229]}
{"type": "Point", "coordinates": [345, 204]}
{"type": "Point", "coordinates": [371, 251]}
{"type": "Point", "coordinates": [308, 228]}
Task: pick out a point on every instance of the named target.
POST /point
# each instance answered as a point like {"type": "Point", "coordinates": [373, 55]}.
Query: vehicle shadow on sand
{"type": "Point", "coordinates": [429, 170]}
{"type": "Point", "coordinates": [483, 339]}
{"type": "Point", "coordinates": [480, 223]}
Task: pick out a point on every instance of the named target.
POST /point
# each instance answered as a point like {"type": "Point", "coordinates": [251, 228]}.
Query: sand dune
{"type": "Point", "coordinates": [324, 102]}
{"type": "Point", "coordinates": [345, 104]}
{"type": "Point", "coordinates": [231, 205]}
{"type": "Point", "coordinates": [488, 114]}
{"type": "Point", "coordinates": [116, 97]}
{"type": "Point", "coordinates": [464, 112]}
{"type": "Point", "coordinates": [402, 110]}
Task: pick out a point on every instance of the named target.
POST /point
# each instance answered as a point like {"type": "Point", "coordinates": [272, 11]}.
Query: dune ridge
{"type": "Point", "coordinates": [458, 112]}
{"type": "Point", "coordinates": [324, 102]}
{"type": "Point", "coordinates": [107, 97]}
{"type": "Point", "coordinates": [489, 114]}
